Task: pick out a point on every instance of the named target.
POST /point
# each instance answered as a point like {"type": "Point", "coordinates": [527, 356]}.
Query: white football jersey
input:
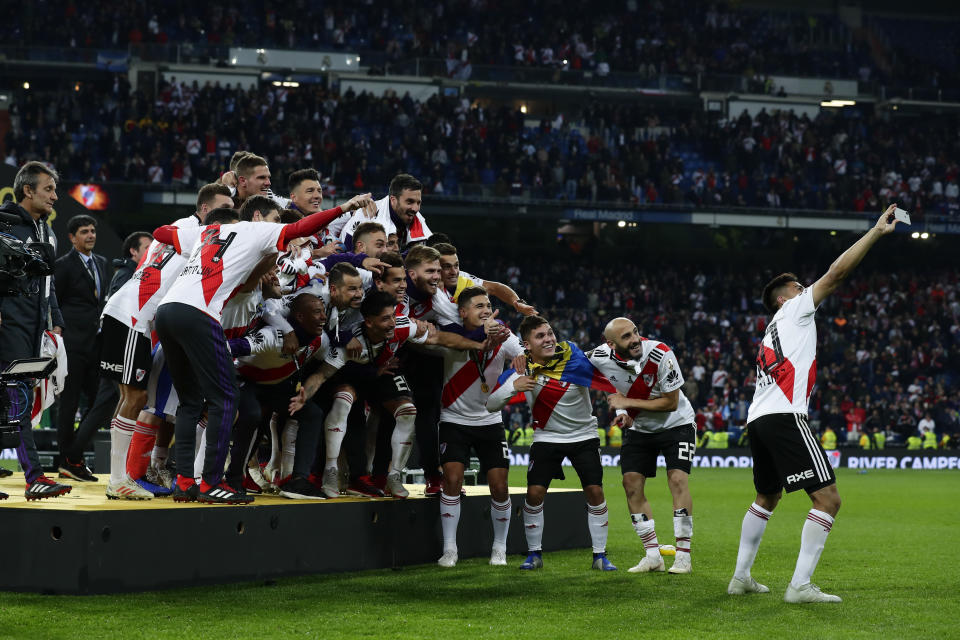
{"type": "Point", "coordinates": [442, 307]}
{"type": "Point", "coordinates": [561, 411]}
{"type": "Point", "coordinates": [379, 353]}
{"type": "Point", "coordinates": [652, 375]}
{"type": "Point", "coordinates": [418, 230]}
{"type": "Point", "coordinates": [787, 360]}
{"type": "Point", "coordinates": [135, 303]}
{"type": "Point", "coordinates": [242, 313]}
{"type": "Point", "coordinates": [272, 366]}
{"type": "Point", "coordinates": [463, 400]}
{"type": "Point", "coordinates": [222, 259]}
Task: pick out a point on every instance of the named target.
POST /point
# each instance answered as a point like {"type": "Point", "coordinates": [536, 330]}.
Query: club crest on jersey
{"type": "Point", "coordinates": [648, 379]}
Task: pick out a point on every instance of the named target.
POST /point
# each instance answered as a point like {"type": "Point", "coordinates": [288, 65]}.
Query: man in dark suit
{"type": "Point", "coordinates": [85, 277]}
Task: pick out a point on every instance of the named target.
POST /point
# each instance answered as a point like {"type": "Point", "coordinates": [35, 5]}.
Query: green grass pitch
{"type": "Point", "coordinates": [893, 555]}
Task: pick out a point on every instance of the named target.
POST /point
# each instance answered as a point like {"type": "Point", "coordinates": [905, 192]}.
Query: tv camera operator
{"type": "Point", "coordinates": [28, 308]}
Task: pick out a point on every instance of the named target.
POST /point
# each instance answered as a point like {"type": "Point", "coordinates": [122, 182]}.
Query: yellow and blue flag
{"type": "Point", "coordinates": [569, 364]}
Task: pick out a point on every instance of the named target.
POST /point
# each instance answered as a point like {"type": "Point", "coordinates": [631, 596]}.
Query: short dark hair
{"type": "Point", "coordinates": [208, 193]}
{"type": "Point", "coordinates": [770, 291]}
{"type": "Point", "coordinates": [393, 259]}
{"type": "Point", "coordinates": [376, 302]}
{"type": "Point", "coordinates": [263, 204]}
{"type": "Point", "coordinates": [236, 158]}
{"type": "Point", "coordinates": [530, 323]}
{"type": "Point", "coordinates": [437, 238]}
{"type": "Point", "coordinates": [80, 220]}
{"type": "Point", "coordinates": [132, 241]}
{"type": "Point", "coordinates": [469, 294]}
{"type": "Point", "coordinates": [223, 215]}
{"type": "Point", "coordinates": [297, 304]}
{"type": "Point", "coordinates": [402, 182]}
{"type": "Point", "coordinates": [248, 163]}
{"type": "Point", "coordinates": [28, 176]}
{"type": "Point", "coordinates": [367, 227]}
{"type": "Point", "coordinates": [299, 176]}
{"type": "Point", "coordinates": [445, 248]}
{"type": "Point", "coordinates": [339, 271]}
{"type": "Point", "coordinates": [288, 216]}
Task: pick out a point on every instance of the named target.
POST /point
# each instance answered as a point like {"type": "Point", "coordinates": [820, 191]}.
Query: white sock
{"type": "Point", "coordinates": [402, 439]}
{"type": "Point", "coordinates": [597, 522]}
{"type": "Point", "coordinates": [449, 519]}
{"type": "Point", "coordinates": [289, 444]}
{"type": "Point", "coordinates": [201, 452]}
{"type": "Point", "coordinates": [754, 522]}
{"type": "Point", "coordinates": [121, 431]}
{"type": "Point", "coordinates": [201, 427]}
{"type": "Point", "coordinates": [648, 534]}
{"type": "Point", "coordinates": [370, 446]}
{"type": "Point", "coordinates": [500, 517]}
{"type": "Point", "coordinates": [683, 531]}
{"type": "Point", "coordinates": [812, 540]}
{"type": "Point", "coordinates": [158, 457]}
{"type": "Point", "coordinates": [273, 464]}
{"type": "Point", "coordinates": [335, 427]}
{"type": "Point", "coordinates": [533, 526]}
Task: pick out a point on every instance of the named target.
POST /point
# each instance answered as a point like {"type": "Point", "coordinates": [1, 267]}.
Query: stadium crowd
{"type": "Point", "coordinates": [714, 321]}
{"type": "Point", "coordinates": [607, 153]}
{"type": "Point", "coordinates": [661, 37]}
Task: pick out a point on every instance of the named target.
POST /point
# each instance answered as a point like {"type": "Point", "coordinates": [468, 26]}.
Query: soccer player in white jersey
{"type": "Point", "coordinates": [372, 375]}
{"type": "Point", "coordinates": [465, 424]}
{"type": "Point", "coordinates": [659, 420]}
{"type": "Point", "coordinates": [127, 323]}
{"type": "Point", "coordinates": [786, 455]}
{"type": "Point", "coordinates": [398, 213]}
{"type": "Point", "coordinates": [188, 322]}
{"type": "Point", "coordinates": [564, 427]}
{"type": "Point", "coordinates": [454, 280]}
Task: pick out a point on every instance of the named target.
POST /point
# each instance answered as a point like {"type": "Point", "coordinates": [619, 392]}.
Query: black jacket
{"type": "Point", "coordinates": [80, 303]}
{"type": "Point", "coordinates": [123, 271]}
{"type": "Point", "coordinates": [23, 319]}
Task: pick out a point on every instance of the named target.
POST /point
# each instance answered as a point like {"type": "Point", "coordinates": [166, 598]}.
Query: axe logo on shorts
{"type": "Point", "coordinates": [798, 477]}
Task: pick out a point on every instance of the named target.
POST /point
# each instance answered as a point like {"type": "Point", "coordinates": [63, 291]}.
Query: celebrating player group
{"type": "Point", "coordinates": [341, 338]}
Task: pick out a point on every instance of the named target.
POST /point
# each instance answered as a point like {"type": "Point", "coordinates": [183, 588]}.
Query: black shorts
{"type": "Point", "coordinates": [786, 455]}
{"type": "Point", "coordinates": [546, 460]}
{"type": "Point", "coordinates": [125, 354]}
{"type": "Point", "coordinates": [456, 440]}
{"type": "Point", "coordinates": [373, 389]}
{"type": "Point", "coordinates": [640, 450]}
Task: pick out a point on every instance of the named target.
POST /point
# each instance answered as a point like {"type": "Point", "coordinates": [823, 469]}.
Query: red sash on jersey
{"type": "Point", "coordinates": [464, 379]}
{"type": "Point", "coordinates": [640, 390]}
{"type": "Point", "coordinates": [546, 401]}
{"type": "Point", "coordinates": [276, 374]}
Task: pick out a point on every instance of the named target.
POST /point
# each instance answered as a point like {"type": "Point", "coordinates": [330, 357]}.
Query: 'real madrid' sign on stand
{"type": "Point", "coordinates": [741, 459]}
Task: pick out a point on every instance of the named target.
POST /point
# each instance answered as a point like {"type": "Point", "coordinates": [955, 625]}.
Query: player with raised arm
{"type": "Point", "coordinates": [223, 256]}
{"type": "Point", "coordinates": [659, 420]}
{"type": "Point", "coordinates": [465, 424]}
{"type": "Point", "coordinates": [126, 354]}
{"type": "Point", "coordinates": [564, 427]}
{"type": "Point", "coordinates": [786, 455]}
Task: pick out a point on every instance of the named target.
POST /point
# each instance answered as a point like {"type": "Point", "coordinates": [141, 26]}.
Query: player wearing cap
{"type": "Point", "coordinates": [659, 420]}
{"type": "Point", "coordinates": [465, 424]}
{"type": "Point", "coordinates": [564, 427]}
{"type": "Point", "coordinates": [786, 455]}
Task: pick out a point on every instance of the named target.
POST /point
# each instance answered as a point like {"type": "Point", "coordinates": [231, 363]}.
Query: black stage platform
{"type": "Point", "coordinates": [82, 543]}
